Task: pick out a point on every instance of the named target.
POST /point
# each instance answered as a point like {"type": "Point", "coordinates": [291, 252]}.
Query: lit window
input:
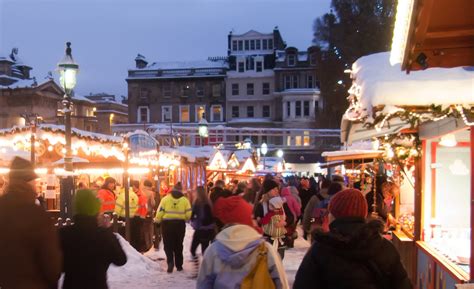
{"type": "Point", "coordinates": [288, 140]}
{"type": "Point", "coordinates": [235, 89]}
{"type": "Point", "coordinates": [250, 111]}
{"type": "Point", "coordinates": [306, 139]}
{"type": "Point", "coordinates": [166, 113]}
{"type": "Point", "coordinates": [249, 88]}
{"type": "Point", "coordinates": [266, 111]}
{"type": "Point", "coordinates": [216, 113]}
{"type": "Point", "coordinates": [266, 88]}
{"type": "Point", "coordinates": [184, 113]}
{"type": "Point", "coordinates": [291, 60]}
{"type": "Point", "coordinates": [235, 111]}
{"type": "Point", "coordinates": [298, 140]}
{"type": "Point", "coordinates": [200, 112]}
{"type": "Point", "coordinates": [216, 90]}
{"type": "Point", "coordinates": [143, 114]}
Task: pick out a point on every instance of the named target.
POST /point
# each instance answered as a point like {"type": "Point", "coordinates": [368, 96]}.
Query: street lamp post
{"type": "Point", "coordinates": [203, 128]}
{"type": "Point", "coordinates": [264, 150]}
{"type": "Point", "coordinates": [68, 70]}
{"type": "Point", "coordinates": [32, 121]}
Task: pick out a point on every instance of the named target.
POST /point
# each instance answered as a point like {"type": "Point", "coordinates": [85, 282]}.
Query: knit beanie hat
{"type": "Point", "coordinates": [268, 185]}
{"type": "Point", "coordinates": [86, 203]}
{"type": "Point", "coordinates": [233, 210]}
{"type": "Point", "coordinates": [348, 203]}
{"type": "Point", "coordinates": [22, 170]}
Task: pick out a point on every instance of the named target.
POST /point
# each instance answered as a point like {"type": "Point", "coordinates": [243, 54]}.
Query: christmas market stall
{"type": "Point", "coordinates": [422, 121]}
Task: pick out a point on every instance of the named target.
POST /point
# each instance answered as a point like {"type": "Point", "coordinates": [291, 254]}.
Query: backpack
{"type": "Point", "coordinates": [259, 277]}
{"type": "Point", "coordinates": [320, 216]}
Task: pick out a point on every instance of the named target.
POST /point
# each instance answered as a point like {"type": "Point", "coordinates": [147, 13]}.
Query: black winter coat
{"type": "Point", "coordinates": [353, 255]}
{"type": "Point", "coordinates": [88, 251]}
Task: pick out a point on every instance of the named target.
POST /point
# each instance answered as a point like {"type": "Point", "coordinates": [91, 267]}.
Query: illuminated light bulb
{"type": "Point", "coordinates": [50, 148]}
{"type": "Point", "coordinates": [413, 152]}
{"type": "Point", "coordinates": [63, 150]}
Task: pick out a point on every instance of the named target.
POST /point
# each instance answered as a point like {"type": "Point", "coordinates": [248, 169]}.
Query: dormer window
{"type": "Point", "coordinates": [291, 60]}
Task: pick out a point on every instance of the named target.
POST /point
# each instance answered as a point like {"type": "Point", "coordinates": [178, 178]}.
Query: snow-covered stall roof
{"type": "Point", "coordinates": [376, 82]}
{"type": "Point", "coordinates": [351, 154]}
{"type": "Point", "coordinates": [190, 153]}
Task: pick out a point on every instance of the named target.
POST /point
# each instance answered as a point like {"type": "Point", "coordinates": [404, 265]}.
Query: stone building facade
{"type": "Point", "coordinates": [177, 92]}
{"type": "Point", "coordinates": [21, 94]}
{"type": "Point", "coordinates": [108, 111]}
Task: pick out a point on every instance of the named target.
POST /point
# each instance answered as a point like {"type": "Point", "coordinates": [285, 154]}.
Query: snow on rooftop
{"type": "Point", "coordinates": [349, 153]}
{"type": "Point", "coordinates": [379, 83]}
{"type": "Point", "coordinates": [185, 65]}
{"type": "Point", "coordinates": [19, 83]}
{"type": "Point", "coordinates": [191, 153]}
{"type": "Point", "coordinates": [82, 98]}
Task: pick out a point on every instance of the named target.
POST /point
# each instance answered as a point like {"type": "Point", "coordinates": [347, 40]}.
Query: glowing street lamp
{"type": "Point", "coordinates": [68, 70]}
{"type": "Point", "coordinates": [203, 128]}
{"type": "Point", "coordinates": [280, 153]}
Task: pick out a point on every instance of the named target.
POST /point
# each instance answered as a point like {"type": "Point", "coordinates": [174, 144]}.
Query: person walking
{"type": "Point", "coordinates": [295, 208]}
{"type": "Point", "coordinates": [107, 196]}
{"type": "Point", "coordinates": [121, 213]}
{"type": "Point", "coordinates": [305, 192]}
{"type": "Point", "coordinates": [138, 219]}
{"type": "Point", "coordinates": [173, 212]}
{"type": "Point", "coordinates": [219, 191]}
{"type": "Point", "coordinates": [88, 249]}
{"type": "Point", "coordinates": [238, 249]}
{"type": "Point", "coordinates": [271, 190]}
{"type": "Point", "coordinates": [353, 254]}
{"type": "Point", "coordinates": [153, 200]}
{"type": "Point", "coordinates": [30, 255]}
{"type": "Point", "coordinates": [202, 221]}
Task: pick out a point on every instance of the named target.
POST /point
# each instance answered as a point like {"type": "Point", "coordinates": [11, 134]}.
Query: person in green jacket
{"type": "Point", "coordinates": [173, 212]}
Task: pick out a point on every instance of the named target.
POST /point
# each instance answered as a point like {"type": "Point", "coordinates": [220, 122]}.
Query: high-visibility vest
{"type": "Point", "coordinates": [142, 209]}
{"type": "Point", "coordinates": [132, 204]}
{"type": "Point", "coordinates": [107, 200]}
{"type": "Point", "coordinates": [173, 209]}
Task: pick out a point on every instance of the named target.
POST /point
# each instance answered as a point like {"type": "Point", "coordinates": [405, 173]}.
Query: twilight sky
{"type": "Point", "coordinates": [106, 35]}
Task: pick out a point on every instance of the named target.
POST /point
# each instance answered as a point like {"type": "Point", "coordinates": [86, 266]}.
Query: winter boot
{"type": "Point", "coordinates": [170, 268]}
{"type": "Point", "coordinates": [195, 268]}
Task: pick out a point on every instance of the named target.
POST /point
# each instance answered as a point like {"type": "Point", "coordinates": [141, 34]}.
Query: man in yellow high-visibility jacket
{"type": "Point", "coordinates": [173, 212]}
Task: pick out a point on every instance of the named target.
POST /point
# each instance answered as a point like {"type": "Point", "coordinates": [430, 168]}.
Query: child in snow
{"type": "Point", "coordinates": [274, 221]}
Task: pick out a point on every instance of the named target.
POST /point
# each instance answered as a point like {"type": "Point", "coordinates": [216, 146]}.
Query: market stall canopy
{"type": "Point", "coordinates": [433, 33]}
{"type": "Point", "coordinates": [75, 160]}
{"type": "Point", "coordinates": [190, 153]}
{"type": "Point", "coordinates": [381, 92]}
{"type": "Point", "coordinates": [352, 155]}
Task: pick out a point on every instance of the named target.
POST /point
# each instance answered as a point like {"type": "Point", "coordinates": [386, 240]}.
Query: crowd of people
{"type": "Point", "coordinates": [243, 229]}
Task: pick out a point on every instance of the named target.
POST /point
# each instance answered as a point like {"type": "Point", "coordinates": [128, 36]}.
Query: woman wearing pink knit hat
{"type": "Point", "coordinates": [353, 254]}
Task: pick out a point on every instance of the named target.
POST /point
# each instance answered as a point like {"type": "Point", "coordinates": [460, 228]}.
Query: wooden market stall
{"type": "Point", "coordinates": [422, 120]}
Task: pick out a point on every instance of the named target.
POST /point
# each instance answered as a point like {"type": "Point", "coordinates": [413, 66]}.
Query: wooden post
{"type": "Point", "coordinates": [471, 263]}
{"type": "Point", "coordinates": [127, 192]}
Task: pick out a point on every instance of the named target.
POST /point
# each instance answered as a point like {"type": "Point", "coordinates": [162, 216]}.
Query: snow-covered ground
{"type": "Point", "coordinates": [149, 271]}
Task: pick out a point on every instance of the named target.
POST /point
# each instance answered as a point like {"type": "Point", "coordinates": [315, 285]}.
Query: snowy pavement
{"type": "Point", "coordinates": [142, 272]}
